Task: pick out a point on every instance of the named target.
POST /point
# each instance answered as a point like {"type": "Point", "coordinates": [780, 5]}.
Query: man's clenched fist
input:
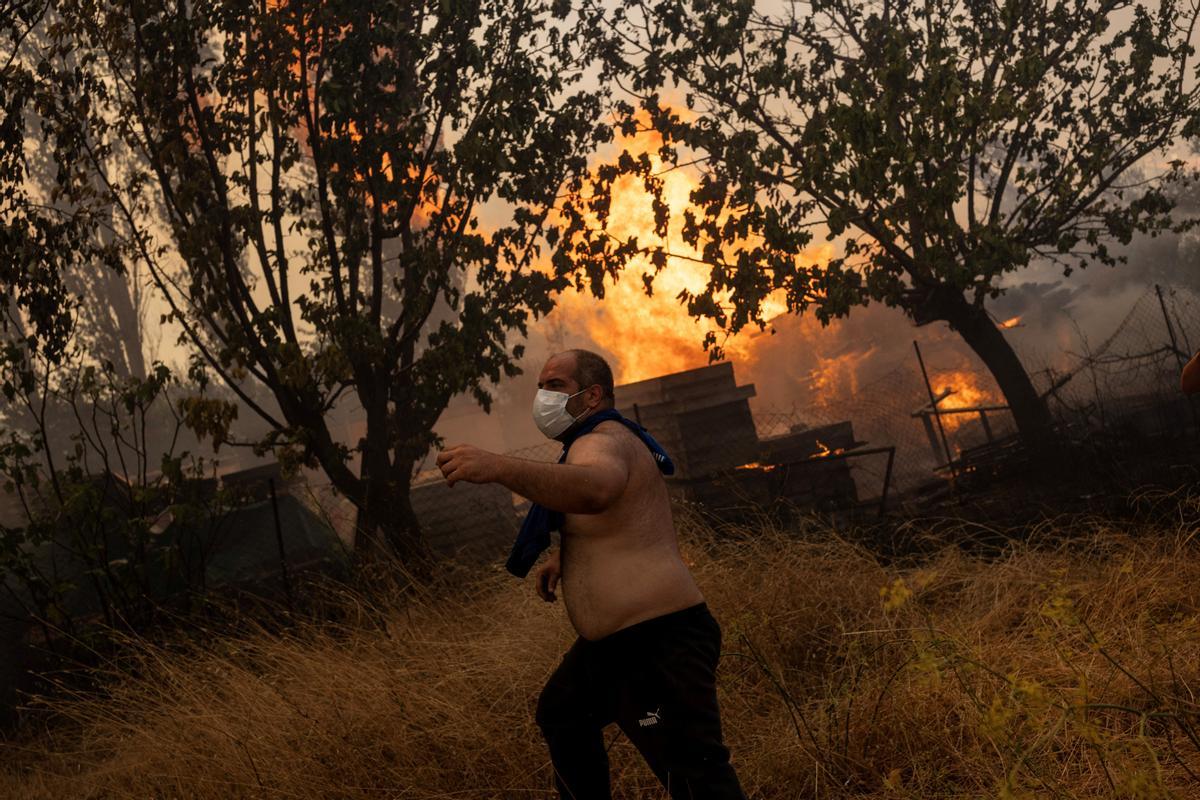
{"type": "Point", "coordinates": [464, 462]}
{"type": "Point", "coordinates": [548, 576]}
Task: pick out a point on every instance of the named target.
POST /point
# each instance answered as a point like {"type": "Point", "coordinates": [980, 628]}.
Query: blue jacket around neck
{"type": "Point", "coordinates": [540, 521]}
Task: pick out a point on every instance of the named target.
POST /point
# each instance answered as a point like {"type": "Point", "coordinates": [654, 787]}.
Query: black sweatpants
{"type": "Point", "coordinates": [657, 680]}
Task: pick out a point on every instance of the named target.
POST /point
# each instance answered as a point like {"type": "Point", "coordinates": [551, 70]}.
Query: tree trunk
{"type": "Point", "coordinates": [128, 336]}
{"type": "Point", "coordinates": [402, 530]}
{"type": "Point", "coordinates": [386, 525]}
{"type": "Point", "coordinates": [121, 332]}
{"type": "Point", "coordinates": [388, 529]}
{"type": "Point", "coordinates": [987, 340]}
{"type": "Point", "coordinates": [367, 544]}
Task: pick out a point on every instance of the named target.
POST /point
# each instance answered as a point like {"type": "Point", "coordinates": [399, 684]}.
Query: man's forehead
{"type": "Point", "coordinates": [559, 367]}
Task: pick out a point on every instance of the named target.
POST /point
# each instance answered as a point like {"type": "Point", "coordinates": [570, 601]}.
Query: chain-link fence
{"type": "Point", "coordinates": [1130, 381]}
{"type": "Point", "coordinates": [1126, 388]}
{"type": "Point", "coordinates": [894, 410]}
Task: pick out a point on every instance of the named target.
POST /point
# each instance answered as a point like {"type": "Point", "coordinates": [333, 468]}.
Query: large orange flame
{"type": "Point", "coordinates": [968, 392]}
{"type": "Point", "coordinates": [651, 335]}
{"type": "Point", "coordinates": [835, 378]}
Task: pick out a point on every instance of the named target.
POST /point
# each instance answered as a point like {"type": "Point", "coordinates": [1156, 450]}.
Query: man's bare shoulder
{"type": "Point", "coordinates": [616, 432]}
{"type": "Point", "coordinates": [609, 439]}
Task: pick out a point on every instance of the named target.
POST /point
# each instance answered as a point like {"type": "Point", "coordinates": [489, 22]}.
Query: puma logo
{"type": "Point", "coordinates": [651, 718]}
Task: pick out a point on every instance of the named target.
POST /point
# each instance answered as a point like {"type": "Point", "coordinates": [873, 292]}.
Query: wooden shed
{"type": "Point", "coordinates": [700, 416]}
{"type": "Point", "coordinates": [804, 467]}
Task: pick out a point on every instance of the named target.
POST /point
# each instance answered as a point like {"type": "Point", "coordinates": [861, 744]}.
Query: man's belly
{"type": "Point", "coordinates": [605, 591]}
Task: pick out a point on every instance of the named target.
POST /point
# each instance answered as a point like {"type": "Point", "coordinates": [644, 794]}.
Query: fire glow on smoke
{"type": "Point", "coordinates": [968, 392]}
{"type": "Point", "coordinates": [651, 335]}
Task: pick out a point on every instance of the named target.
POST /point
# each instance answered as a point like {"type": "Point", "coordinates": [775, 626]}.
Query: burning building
{"type": "Point", "coordinates": [702, 418]}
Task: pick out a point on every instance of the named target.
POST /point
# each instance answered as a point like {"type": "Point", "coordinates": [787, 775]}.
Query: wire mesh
{"type": "Point", "coordinates": [1129, 383]}
{"type": "Point", "coordinates": [1131, 379]}
{"type": "Point", "coordinates": [884, 412]}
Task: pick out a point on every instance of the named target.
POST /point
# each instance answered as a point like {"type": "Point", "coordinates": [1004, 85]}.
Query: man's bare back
{"type": "Point", "coordinates": [622, 565]}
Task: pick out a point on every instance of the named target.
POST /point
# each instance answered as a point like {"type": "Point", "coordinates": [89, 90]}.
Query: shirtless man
{"type": "Point", "coordinates": [1189, 381]}
{"type": "Point", "coordinates": [647, 649]}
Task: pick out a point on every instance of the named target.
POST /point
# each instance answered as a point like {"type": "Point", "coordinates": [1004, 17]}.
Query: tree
{"type": "Point", "coordinates": [57, 242]}
{"type": "Point", "coordinates": [94, 476]}
{"type": "Point", "coordinates": [945, 143]}
{"type": "Point", "coordinates": [114, 317]}
{"type": "Point", "coordinates": [39, 242]}
{"type": "Point", "coordinates": [304, 183]}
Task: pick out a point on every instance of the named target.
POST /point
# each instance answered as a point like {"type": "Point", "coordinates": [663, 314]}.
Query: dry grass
{"type": "Point", "coordinates": [1046, 671]}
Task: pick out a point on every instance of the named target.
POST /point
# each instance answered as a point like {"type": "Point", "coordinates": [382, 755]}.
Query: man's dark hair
{"type": "Point", "coordinates": [591, 368]}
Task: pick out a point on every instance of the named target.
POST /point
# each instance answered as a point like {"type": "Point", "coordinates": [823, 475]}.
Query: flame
{"type": "Point", "coordinates": [967, 392]}
{"type": "Point", "coordinates": [836, 377]}
{"type": "Point", "coordinates": [756, 465]}
{"type": "Point", "coordinates": [824, 450]}
{"type": "Point", "coordinates": [651, 335]}
{"type": "Point", "coordinates": [1011, 323]}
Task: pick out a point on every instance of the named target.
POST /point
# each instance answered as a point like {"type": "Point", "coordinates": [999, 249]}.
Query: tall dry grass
{"type": "Point", "coordinates": [1050, 669]}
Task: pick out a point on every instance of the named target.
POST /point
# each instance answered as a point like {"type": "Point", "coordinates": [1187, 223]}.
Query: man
{"type": "Point", "coordinates": [647, 650]}
{"type": "Point", "coordinates": [1190, 380]}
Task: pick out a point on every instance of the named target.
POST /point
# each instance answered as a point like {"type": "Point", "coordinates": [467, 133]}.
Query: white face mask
{"type": "Point", "coordinates": [550, 411]}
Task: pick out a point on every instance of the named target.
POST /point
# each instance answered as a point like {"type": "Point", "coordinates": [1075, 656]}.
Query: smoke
{"type": "Point", "coordinates": [809, 371]}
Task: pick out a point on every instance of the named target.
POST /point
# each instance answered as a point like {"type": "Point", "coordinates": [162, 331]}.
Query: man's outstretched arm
{"type": "Point", "coordinates": [592, 478]}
